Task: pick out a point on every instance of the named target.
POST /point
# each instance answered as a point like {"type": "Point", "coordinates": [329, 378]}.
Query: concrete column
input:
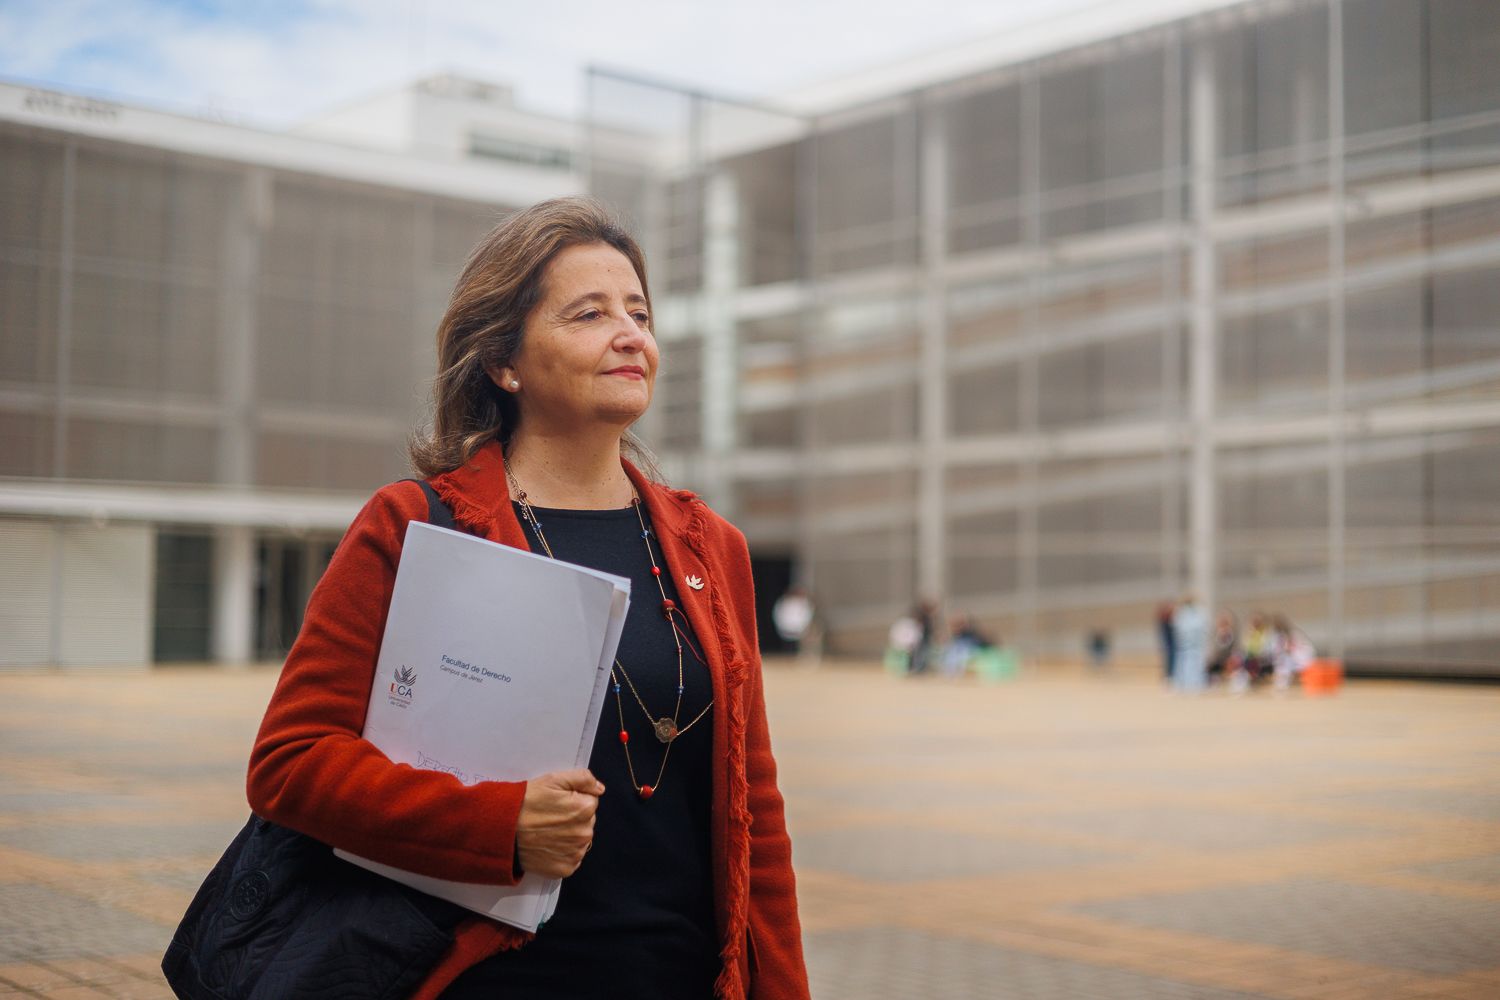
{"type": "Point", "coordinates": [932, 533]}
{"type": "Point", "coordinates": [64, 355]}
{"type": "Point", "coordinates": [249, 216]}
{"type": "Point", "coordinates": [1336, 331]}
{"type": "Point", "coordinates": [720, 341]}
{"type": "Point", "coordinates": [805, 571]}
{"type": "Point", "coordinates": [55, 595]}
{"type": "Point", "coordinates": [1203, 371]}
{"type": "Point", "coordinates": [1028, 521]}
{"type": "Point", "coordinates": [233, 627]}
{"type": "Point", "coordinates": [233, 624]}
{"type": "Point", "coordinates": [1173, 289]}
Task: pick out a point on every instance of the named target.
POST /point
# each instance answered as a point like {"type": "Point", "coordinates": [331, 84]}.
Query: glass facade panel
{"type": "Point", "coordinates": [1386, 332]}
{"type": "Point", "coordinates": [985, 161]}
{"type": "Point", "coordinates": [1099, 524]}
{"type": "Point", "coordinates": [881, 495]}
{"type": "Point", "coordinates": [31, 189]}
{"type": "Point", "coordinates": [183, 606]}
{"type": "Point", "coordinates": [872, 572]}
{"type": "Point", "coordinates": [143, 334]}
{"type": "Point", "coordinates": [1463, 38]}
{"type": "Point", "coordinates": [1117, 294]}
{"type": "Point", "coordinates": [1384, 69]}
{"type": "Point", "coordinates": [678, 405]}
{"type": "Point", "coordinates": [321, 232]}
{"type": "Point", "coordinates": [1275, 360]}
{"type": "Point", "coordinates": [305, 346]}
{"type": "Point", "coordinates": [868, 417]}
{"type": "Point", "coordinates": [1420, 88]}
{"type": "Point", "coordinates": [29, 295]}
{"type": "Point", "coordinates": [1294, 261]}
{"type": "Point", "coordinates": [456, 229]}
{"type": "Point", "coordinates": [984, 400]}
{"type": "Point", "coordinates": [150, 208]}
{"type": "Point", "coordinates": [768, 500]}
{"type": "Point", "coordinates": [769, 351]}
{"type": "Point", "coordinates": [860, 373]}
{"type": "Point", "coordinates": [981, 316]}
{"type": "Point", "coordinates": [1465, 316]}
{"type": "Point", "coordinates": [766, 183]}
{"type": "Point", "coordinates": [860, 550]}
{"type": "Point", "coordinates": [285, 572]}
{"type": "Point", "coordinates": [985, 551]}
{"type": "Point", "coordinates": [1423, 550]}
{"type": "Point", "coordinates": [1112, 379]}
{"type": "Point", "coordinates": [326, 462]}
{"type": "Point", "coordinates": [140, 452]}
{"type": "Point", "coordinates": [681, 240]}
{"type": "Point", "coordinates": [769, 428]}
{"type": "Point", "coordinates": [1104, 142]}
{"type": "Point", "coordinates": [866, 194]}
{"type": "Point", "coordinates": [26, 444]}
{"type": "Point", "coordinates": [1272, 90]}
{"type": "Point", "coordinates": [1273, 521]}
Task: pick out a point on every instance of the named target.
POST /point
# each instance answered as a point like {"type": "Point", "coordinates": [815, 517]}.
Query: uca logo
{"type": "Point", "coordinates": [406, 679]}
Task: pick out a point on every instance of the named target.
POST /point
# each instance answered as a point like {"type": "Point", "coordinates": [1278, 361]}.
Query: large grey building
{"type": "Point", "coordinates": [1080, 319]}
{"type": "Point", "coordinates": [1048, 328]}
{"type": "Point", "coordinates": [214, 341]}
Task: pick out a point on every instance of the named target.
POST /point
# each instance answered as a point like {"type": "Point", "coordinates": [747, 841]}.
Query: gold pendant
{"type": "Point", "coordinates": [666, 729]}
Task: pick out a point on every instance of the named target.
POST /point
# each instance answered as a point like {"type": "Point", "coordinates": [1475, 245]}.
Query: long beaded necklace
{"type": "Point", "coordinates": [665, 727]}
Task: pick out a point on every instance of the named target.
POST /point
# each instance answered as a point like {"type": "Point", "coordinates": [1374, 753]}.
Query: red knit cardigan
{"type": "Point", "coordinates": [311, 771]}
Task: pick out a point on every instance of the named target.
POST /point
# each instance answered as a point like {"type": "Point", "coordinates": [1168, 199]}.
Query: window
{"type": "Point", "coordinates": [527, 154]}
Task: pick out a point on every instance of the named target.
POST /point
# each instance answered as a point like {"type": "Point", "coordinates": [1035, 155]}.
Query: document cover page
{"type": "Point", "coordinates": [493, 667]}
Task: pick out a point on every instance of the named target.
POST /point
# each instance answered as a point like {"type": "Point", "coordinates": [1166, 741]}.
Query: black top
{"type": "Point", "coordinates": [637, 918]}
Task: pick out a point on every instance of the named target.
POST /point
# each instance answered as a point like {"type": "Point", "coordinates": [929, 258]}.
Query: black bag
{"type": "Point", "coordinates": [280, 918]}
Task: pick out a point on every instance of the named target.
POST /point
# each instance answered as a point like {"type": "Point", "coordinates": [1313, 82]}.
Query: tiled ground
{"type": "Point", "coordinates": [1055, 838]}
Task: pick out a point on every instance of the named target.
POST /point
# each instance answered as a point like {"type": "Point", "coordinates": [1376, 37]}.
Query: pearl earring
{"type": "Point", "coordinates": [514, 384]}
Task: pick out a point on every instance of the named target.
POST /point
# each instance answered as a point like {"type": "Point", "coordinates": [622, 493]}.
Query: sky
{"type": "Point", "coordinates": [275, 62]}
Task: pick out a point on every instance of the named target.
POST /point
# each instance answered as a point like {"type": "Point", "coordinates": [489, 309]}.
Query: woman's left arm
{"type": "Point", "coordinates": [778, 971]}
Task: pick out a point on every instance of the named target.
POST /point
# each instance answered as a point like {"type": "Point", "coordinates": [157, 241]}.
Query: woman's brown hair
{"type": "Point", "coordinates": [499, 286]}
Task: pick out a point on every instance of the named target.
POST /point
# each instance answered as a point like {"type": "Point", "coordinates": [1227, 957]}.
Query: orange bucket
{"type": "Point", "coordinates": [1322, 677]}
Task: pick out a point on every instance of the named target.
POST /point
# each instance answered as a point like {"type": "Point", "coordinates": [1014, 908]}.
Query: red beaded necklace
{"type": "Point", "coordinates": [665, 727]}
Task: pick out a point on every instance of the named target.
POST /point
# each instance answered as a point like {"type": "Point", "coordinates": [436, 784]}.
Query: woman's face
{"type": "Point", "coordinates": [587, 355]}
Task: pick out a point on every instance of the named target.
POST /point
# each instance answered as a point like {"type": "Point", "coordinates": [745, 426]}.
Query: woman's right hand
{"type": "Point", "coordinates": [556, 825]}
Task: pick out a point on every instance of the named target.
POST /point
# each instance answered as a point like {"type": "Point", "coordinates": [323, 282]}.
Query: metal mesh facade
{"type": "Point", "coordinates": [174, 319]}
{"type": "Point", "coordinates": [1212, 306]}
{"type": "Point", "coordinates": [174, 325]}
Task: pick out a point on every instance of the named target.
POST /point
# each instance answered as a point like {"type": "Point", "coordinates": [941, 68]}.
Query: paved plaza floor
{"type": "Point", "coordinates": [1061, 836]}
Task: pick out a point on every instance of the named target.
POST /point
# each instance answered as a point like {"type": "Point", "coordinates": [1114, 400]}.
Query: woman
{"type": "Point", "coordinates": [677, 866]}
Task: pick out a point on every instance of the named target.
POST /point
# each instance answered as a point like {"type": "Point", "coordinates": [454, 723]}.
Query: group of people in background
{"type": "Point", "coordinates": [1196, 653]}
{"type": "Point", "coordinates": [1195, 656]}
{"type": "Point", "coordinates": [913, 646]}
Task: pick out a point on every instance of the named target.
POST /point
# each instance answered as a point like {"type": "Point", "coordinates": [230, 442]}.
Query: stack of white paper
{"type": "Point", "coordinates": [494, 667]}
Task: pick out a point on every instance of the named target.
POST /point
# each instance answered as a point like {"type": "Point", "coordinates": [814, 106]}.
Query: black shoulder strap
{"type": "Point", "coordinates": [438, 512]}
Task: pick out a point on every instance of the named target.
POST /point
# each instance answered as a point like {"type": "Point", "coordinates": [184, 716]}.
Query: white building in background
{"type": "Point", "coordinates": [1048, 328]}
{"type": "Point", "coordinates": [214, 341]}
